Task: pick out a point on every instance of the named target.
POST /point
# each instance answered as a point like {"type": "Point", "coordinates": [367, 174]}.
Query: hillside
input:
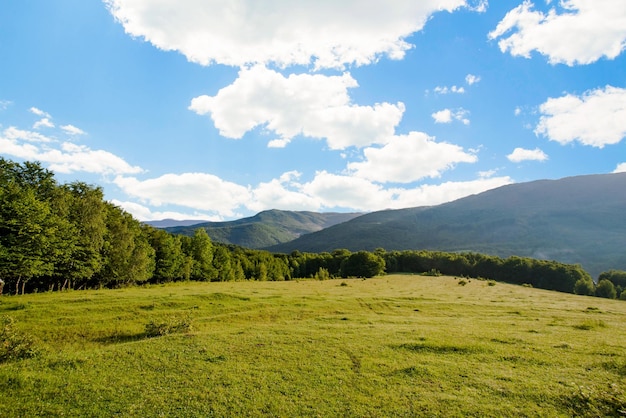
{"type": "Point", "coordinates": [573, 220]}
{"type": "Point", "coordinates": [266, 228]}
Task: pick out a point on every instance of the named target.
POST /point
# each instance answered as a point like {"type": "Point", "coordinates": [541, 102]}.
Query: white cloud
{"type": "Point", "coordinates": [521, 154]}
{"type": "Point", "coordinates": [285, 193]}
{"type": "Point", "coordinates": [576, 32]}
{"type": "Point", "coordinates": [312, 105]}
{"type": "Point", "coordinates": [597, 118]}
{"type": "Point", "coordinates": [43, 123]}
{"type": "Point", "coordinates": [39, 112]}
{"type": "Point", "coordinates": [471, 79]}
{"type": "Point", "coordinates": [72, 130]}
{"type": "Point", "coordinates": [621, 168]}
{"type": "Point", "coordinates": [199, 191]}
{"type": "Point", "coordinates": [337, 191]}
{"type": "Point", "coordinates": [447, 90]}
{"type": "Point", "coordinates": [144, 213]}
{"type": "Point", "coordinates": [328, 34]}
{"type": "Point", "coordinates": [517, 111]}
{"type": "Point", "coordinates": [448, 116]}
{"type": "Point", "coordinates": [62, 157]}
{"type": "Point", "coordinates": [14, 134]}
{"type": "Point", "coordinates": [4, 104]}
{"type": "Point", "coordinates": [436, 194]}
{"type": "Point", "coordinates": [408, 158]}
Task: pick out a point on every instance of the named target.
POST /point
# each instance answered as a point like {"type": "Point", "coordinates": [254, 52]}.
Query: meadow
{"type": "Point", "coordinates": [396, 345]}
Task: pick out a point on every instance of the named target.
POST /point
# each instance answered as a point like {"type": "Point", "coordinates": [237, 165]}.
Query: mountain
{"type": "Point", "coordinates": [167, 223]}
{"type": "Point", "coordinates": [266, 228]}
{"type": "Point", "coordinates": [579, 220]}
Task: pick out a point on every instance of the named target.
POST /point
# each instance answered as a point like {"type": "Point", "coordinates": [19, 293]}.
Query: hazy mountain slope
{"type": "Point", "coordinates": [574, 220]}
{"type": "Point", "coordinates": [266, 228]}
{"type": "Point", "coordinates": [168, 223]}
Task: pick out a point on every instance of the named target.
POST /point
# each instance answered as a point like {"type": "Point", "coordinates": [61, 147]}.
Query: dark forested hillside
{"type": "Point", "coordinates": [266, 228]}
{"type": "Point", "coordinates": [574, 220]}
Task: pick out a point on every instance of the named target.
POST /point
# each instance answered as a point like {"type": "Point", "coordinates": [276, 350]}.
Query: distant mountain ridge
{"type": "Point", "coordinates": [579, 220]}
{"type": "Point", "coordinates": [167, 223]}
{"type": "Point", "coordinates": [266, 228]}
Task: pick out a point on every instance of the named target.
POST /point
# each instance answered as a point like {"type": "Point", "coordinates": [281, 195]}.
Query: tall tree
{"type": "Point", "coordinates": [202, 255]}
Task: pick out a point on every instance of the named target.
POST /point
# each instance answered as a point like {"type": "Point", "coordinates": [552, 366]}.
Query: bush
{"type": "Point", "coordinates": [606, 289]}
{"type": "Point", "coordinates": [14, 345]}
{"type": "Point", "coordinates": [584, 287]}
{"type": "Point", "coordinates": [169, 325]}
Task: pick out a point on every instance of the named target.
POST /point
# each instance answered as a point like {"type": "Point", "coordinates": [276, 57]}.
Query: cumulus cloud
{"type": "Point", "coordinates": [521, 154]}
{"type": "Point", "coordinates": [144, 213]}
{"type": "Point", "coordinates": [72, 130]}
{"type": "Point", "coordinates": [408, 158]}
{"type": "Point", "coordinates": [214, 198]}
{"type": "Point", "coordinates": [14, 134]}
{"type": "Point", "coordinates": [621, 168]}
{"type": "Point", "coordinates": [199, 191]}
{"type": "Point", "coordinates": [350, 192]}
{"type": "Point", "coordinates": [325, 34]}
{"type": "Point", "coordinates": [575, 32]}
{"type": "Point", "coordinates": [312, 105]}
{"type": "Point", "coordinates": [447, 90]}
{"type": "Point", "coordinates": [596, 118]}
{"type": "Point", "coordinates": [61, 157]}
{"type": "Point", "coordinates": [471, 79]}
{"type": "Point", "coordinates": [43, 123]}
{"type": "Point", "coordinates": [449, 115]}
{"type": "Point", "coordinates": [39, 112]}
{"type": "Point", "coordinates": [285, 193]}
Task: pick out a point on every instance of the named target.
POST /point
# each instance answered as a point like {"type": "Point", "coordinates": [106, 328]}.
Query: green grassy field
{"type": "Point", "coordinates": [390, 346]}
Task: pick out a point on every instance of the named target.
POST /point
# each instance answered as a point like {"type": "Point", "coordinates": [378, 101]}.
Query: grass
{"type": "Point", "coordinates": [390, 346]}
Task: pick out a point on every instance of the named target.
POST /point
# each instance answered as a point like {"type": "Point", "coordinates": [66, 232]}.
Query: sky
{"type": "Point", "coordinates": [220, 109]}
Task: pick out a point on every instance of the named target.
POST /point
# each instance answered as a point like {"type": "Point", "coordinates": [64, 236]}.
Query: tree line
{"type": "Point", "coordinates": [66, 236]}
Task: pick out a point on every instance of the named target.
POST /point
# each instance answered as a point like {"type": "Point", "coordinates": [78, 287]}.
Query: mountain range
{"type": "Point", "coordinates": [577, 220]}
{"type": "Point", "coordinates": [266, 228]}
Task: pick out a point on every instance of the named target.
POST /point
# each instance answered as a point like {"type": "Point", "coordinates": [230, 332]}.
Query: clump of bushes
{"type": "Point", "coordinates": [14, 344]}
{"type": "Point", "coordinates": [168, 325]}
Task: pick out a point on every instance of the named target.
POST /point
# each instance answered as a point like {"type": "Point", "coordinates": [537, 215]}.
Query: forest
{"type": "Point", "coordinates": [66, 236]}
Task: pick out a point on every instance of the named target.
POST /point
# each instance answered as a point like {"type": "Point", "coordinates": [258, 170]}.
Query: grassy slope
{"type": "Point", "coordinates": [390, 346]}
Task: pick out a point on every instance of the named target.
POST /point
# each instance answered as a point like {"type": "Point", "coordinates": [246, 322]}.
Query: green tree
{"type": "Point", "coordinates": [606, 289]}
{"type": "Point", "coordinates": [25, 234]}
{"type": "Point", "coordinates": [83, 212]}
{"type": "Point", "coordinates": [128, 256]}
{"type": "Point", "coordinates": [584, 287]}
{"type": "Point", "coordinates": [202, 255]}
{"type": "Point", "coordinates": [363, 264]}
{"type": "Point", "coordinates": [169, 257]}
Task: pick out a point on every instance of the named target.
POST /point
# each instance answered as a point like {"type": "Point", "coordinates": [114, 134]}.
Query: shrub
{"type": "Point", "coordinates": [606, 289]}
{"type": "Point", "coordinates": [462, 282]}
{"type": "Point", "coordinates": [14, 345]}
{"type": "Point", "coordinates": [169, 325]}
{"type": "Point", "coordinates": [584, 287]}
{"type": "Point", "coordinates": [322, 274]}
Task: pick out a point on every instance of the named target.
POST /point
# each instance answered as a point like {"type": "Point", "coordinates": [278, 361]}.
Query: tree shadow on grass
{"type": "Point", "coordinates": [120, 338]}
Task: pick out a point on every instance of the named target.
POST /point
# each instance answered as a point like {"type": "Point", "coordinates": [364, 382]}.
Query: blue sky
{"type": "Point", "coordinates": [219, 109]}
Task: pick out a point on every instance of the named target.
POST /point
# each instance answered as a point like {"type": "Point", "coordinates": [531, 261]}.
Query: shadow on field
{"type": "Point", "coordinates": [119, 338]}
